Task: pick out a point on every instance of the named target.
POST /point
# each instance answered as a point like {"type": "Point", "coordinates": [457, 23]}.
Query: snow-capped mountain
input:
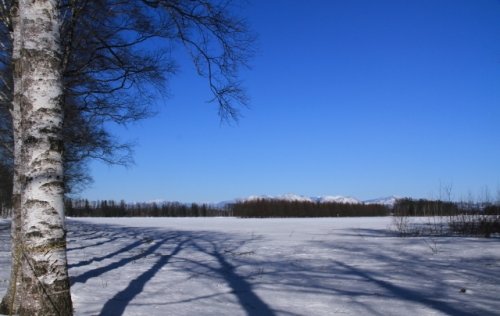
{"type": "Point", "coordinates": [300, 198]}
{"type": "Point", "coordinates": [338, 199]}
{"type": "Point", "coordinates": [157, 201]}
{"type": "Point", "coordinates": [387, 201]}
{"type": "Point", "coordinates": [285, 197]}
{"type": "Point", "coordinates": [294, 198]}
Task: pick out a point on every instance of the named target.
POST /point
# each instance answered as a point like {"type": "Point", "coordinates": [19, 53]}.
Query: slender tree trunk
{"type": "Point", "coordinates": [10, 302]}
{"type": "Point", "coordinates": [45, 288]}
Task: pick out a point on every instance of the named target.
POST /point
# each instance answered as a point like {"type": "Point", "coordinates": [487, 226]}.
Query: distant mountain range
{"type": "Point", "coordinates": [388, 201]}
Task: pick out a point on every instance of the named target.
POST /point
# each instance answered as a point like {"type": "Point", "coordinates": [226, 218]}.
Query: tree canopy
{"type": "Point", "coordinates": [117, 59]}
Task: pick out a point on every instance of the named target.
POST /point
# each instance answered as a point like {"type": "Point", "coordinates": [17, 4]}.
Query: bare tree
{"type": "Point", "coordinates": [111, 73]}
{"type": "Point", "coordinates": [107, 72]}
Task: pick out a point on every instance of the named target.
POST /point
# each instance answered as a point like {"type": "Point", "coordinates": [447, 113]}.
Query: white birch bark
{"type": "Point", "coordinates": [10, 302]}
{"type": "Point", "coordinates": [45, 282]}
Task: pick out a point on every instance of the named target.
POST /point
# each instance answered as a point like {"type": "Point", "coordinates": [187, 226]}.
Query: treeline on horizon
{"type": "Point", "coordinates": [263, 208]}
{"type": "Point", "coordinates": [110, 208]}
{"type": "Point", "coordinates": [423, 207]}
{"type": "Point", "coordinates": [266, 208]}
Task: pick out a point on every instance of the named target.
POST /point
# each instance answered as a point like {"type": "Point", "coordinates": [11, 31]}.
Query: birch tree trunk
{"type": "Point", "coordinates": [45, 288]}
{"type": "Point", "coordinates": [10, 302]}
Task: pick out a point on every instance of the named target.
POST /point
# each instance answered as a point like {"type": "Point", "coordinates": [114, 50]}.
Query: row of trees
{"type": "Point", "coordinates": [278, 208]}
{"type": "Point", "coordinates": [257, 208]}
{"type": "Point", "coordinates": [426, 217]}
{"type": "Point", "coordinates": [422, 207]}
{"type": "Point", "coordinates": [85, 208]}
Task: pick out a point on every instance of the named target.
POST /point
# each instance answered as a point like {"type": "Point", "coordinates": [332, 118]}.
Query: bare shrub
{"type": "Point", "coordinates": [401, 224]}
{"type": "Point", "coordinates": [475, 224]}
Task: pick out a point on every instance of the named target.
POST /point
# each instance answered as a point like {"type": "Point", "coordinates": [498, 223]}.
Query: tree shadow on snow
{"type": "Point", "coordinates": [360, 272]}
{"type": "Point", "coordinates": [117, 304]}
{"type": "Point", "coordinates": [216, 246]}
{"type": "Point", "coordinates": [398, 270]}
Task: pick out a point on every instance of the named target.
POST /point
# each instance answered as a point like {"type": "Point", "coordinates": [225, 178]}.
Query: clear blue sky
{"type": "Point", "coordinates": [361, 98]}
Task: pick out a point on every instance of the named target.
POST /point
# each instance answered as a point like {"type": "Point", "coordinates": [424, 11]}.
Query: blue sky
{"type": "Point", "coordinates": [360, 98]}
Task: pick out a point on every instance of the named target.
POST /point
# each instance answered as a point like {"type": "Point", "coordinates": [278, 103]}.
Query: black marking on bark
{"type": "Point", "coordinates": [51, 130]}
{"type": "Point", "coordinates": [40, 268]}
{"type": "Point", "coordinates": [34, 234]}
{"type": "Point", "coordinates": [31, 140]}
{"type": "Point", "coordinates": [53, 184]}
{"type": "Point", "coordinates": [53, 111]}
{"type": "Point", "coordinates": [56, 144]}
{"type": "Point", "coordinates": [34, 203]}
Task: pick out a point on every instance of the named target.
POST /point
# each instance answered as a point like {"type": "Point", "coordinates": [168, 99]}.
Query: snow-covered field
{"type": "Point", "coordinates": [230, 266]}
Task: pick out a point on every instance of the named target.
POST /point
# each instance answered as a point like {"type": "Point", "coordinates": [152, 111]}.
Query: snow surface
{"type": "Point", "coordinates": [231, 266]}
